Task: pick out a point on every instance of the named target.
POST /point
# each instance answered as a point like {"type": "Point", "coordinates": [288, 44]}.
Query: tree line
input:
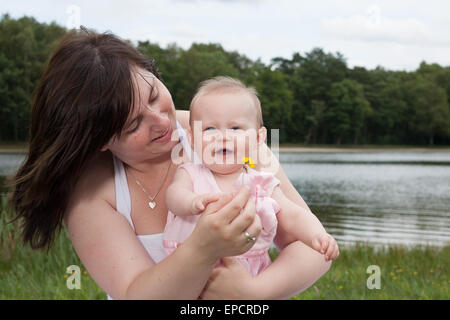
{"type": "Point", "coordinates": [313, 98]}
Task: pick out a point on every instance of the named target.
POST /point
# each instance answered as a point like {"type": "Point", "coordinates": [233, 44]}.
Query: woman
{"type": "Point", "coordinates": [100, 160]}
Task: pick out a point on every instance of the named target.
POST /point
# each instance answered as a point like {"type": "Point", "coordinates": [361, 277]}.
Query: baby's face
{"type": "Point", "coordinates": [224, 129]}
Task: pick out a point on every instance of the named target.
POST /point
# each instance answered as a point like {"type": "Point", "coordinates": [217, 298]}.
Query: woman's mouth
{"type": "Point", "coordinates": [165, 136]}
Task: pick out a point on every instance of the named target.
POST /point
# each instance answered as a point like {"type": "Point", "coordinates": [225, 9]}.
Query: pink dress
{"type": "Point", "coordinates": [261, 185]}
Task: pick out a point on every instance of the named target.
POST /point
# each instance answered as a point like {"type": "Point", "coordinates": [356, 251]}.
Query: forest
{"type": "Point", "coordinates": [312, 97]}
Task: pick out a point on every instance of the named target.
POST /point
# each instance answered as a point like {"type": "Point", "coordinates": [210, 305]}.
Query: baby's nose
{"type": "Point", "coordinates": [226, 136]}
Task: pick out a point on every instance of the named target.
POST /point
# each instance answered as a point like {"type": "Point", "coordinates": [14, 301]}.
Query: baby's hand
{"type": "Point", "coordinates": [200, 202]}
{"type": "Point", "coordinates": [325, 244]}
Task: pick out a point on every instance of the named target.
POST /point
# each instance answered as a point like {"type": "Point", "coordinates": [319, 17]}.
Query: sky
{"type": "Point", "coordinates": [394, 34]}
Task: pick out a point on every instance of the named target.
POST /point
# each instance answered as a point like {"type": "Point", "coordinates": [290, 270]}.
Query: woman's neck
{"type": "Point", "coordinates": [149, 166]}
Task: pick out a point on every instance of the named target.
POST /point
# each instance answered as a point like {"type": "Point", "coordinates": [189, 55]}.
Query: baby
{"type": "Point", "coordinates": [229, 117]}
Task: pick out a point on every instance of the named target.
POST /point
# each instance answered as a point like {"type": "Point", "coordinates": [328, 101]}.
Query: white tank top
{"type": "Point", "coordinates": [151, 242]}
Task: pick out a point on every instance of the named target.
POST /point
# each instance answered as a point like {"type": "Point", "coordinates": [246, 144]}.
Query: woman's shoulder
{"type": "Point", "coordinates": [96, 181]}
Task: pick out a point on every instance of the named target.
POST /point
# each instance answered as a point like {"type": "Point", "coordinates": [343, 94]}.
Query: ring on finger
{"type": "Point", "coordinates": [249, 237]}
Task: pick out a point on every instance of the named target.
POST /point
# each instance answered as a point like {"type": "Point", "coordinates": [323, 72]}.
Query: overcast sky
{"type": "Point", "coordinates": [395, 34]}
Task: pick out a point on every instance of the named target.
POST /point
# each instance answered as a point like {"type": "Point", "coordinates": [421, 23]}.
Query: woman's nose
{"type": "Point", "coordinates": [160, 119]}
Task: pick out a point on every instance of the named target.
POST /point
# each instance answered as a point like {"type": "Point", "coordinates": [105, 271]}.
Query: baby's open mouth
{"type": "Point", "coordinates": [224, 151]}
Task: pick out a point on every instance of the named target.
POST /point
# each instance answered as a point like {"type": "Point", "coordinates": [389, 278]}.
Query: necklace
{"type": "Point", "coordinates": [152, 202]}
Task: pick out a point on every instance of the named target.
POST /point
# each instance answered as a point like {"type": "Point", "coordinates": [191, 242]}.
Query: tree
{"type": "Point", "coordinates": [25, 46]}
{"type": "Point", "coordinates": [347, 111]}
{"type": "Point", "coordinates": [314, 119]}
{"type": "Point", "coordinates": [431, 112]}
{"type": "Point", "coordinates": [199, 63]}
{"type": "Point", "coordinates": [276, 100]}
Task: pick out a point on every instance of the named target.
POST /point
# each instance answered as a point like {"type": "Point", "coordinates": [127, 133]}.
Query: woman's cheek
{"type": "Point", "coordinates": [140, 138]}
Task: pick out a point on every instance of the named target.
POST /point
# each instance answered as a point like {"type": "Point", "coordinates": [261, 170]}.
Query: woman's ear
{"type": "Point", "coordinates": [107, 145]}
{"type": "Point", "coordinates": [262, 134]}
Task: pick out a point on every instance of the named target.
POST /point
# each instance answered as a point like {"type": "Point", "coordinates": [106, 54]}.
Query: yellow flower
{"type": "Point", "coordinates": [84, 272]}
{"type": "Point", "coordinates": [415, 273]}
{"type": "Point", "coordinates": [248, 161]}
{"type": "Point", "coordinates": [395, 278]}
{"type": "Point", "coordinates": [391, 273]}
{"type": "Point", "coordinates": [399, 270]}
{"type": "Point", "coordinates": [431, 270]}
{"type": "Point", "coordinates": [340, 287]}
{"type": "Point", "coordinates": [65, 276]}
{"type": "Point", "coordinates": [395, 266]}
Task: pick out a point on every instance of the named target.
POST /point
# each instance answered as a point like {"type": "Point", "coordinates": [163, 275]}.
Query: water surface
{"type": "Point", "coordinates": [378, 198]}
{"type": "Point", "coordinates": [372, 197]}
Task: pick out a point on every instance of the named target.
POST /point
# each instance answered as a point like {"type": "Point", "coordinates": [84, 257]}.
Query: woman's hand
{"type": "Point", "coordinates": [230, 281]}
{"type": "Point", "coordinates": [220, 230]}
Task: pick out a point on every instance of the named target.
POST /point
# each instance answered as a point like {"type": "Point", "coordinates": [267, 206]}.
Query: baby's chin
{"type": "Point", "coordinates": [224, 168]}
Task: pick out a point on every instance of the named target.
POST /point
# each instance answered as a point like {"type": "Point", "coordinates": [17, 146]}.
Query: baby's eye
{"type": "Point", "coordinates": [209, 128]}
{"type": "Point", "coordinates": [235, 128]}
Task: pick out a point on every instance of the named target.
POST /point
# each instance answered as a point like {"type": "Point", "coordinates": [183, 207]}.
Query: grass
{"type": "Point", "coordinates": [406, 273]}
{"type": "Point", "coordinates": [33, 274]}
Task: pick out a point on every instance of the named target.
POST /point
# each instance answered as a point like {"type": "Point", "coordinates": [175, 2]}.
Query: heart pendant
{"type": "Point", "coordinates": [152, 204]}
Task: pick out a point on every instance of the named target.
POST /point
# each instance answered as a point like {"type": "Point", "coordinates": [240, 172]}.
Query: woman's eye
{"type": "Point", "coordinates": [209, 128]}
{"type": "Point", "coordinates": [235, 128]}
{"type": "Point", "coordinates": [154, 96]}
{"type": "Point", "coordinates": [133, 130]}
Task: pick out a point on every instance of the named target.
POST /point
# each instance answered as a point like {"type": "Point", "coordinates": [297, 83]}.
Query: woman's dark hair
{"type": "Point", "coordinates": [82, 100]}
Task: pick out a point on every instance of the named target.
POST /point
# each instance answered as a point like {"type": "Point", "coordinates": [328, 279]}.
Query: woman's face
{"type": "Point", "coordinates": [147, 133]}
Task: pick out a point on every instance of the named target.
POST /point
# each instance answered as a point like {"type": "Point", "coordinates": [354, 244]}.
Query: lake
{"type": "Point", "coordinates": [376, 197]}
{"type": "Point", "coordinates": [371, 197]}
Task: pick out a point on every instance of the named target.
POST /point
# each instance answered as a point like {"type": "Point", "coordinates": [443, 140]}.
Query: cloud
{"type": "Point", "coordinates": [185, 30]}
{"type": "Point", "coordinates": [373, 26]}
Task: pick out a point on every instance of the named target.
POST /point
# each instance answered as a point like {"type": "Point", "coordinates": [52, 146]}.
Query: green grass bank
{"type": "Point", "coordinates": [405, 273]}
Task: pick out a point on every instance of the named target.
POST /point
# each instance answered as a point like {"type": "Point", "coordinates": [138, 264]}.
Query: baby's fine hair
{"type": "Point", "coordinates": [227, 84]}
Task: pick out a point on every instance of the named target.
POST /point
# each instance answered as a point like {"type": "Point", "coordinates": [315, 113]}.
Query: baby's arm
{"type": "Point", "coordinates": [304, 226]}
{"type": "Point", "coordinates": [181, 199]}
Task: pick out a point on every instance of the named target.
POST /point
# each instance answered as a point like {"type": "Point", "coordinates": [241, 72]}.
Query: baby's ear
{"type": "Point", "coordinates": [262, 134]}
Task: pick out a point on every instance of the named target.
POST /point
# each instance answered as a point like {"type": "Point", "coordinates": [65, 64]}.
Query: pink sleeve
{"type": "Point", "coordinates": [274, 182]}
{"type": "Point", "coordinates": [267, 181]}
{"type": "Point", "coordinates": [191, 168]}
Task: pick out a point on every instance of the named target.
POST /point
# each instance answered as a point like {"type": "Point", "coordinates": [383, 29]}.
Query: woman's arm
{"type": "Point", "coordinates": [117, 261]}
{"type": "Point", "coordinates": [119, 264]}
{"type": "Point", "coordinates": [296, 268]}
